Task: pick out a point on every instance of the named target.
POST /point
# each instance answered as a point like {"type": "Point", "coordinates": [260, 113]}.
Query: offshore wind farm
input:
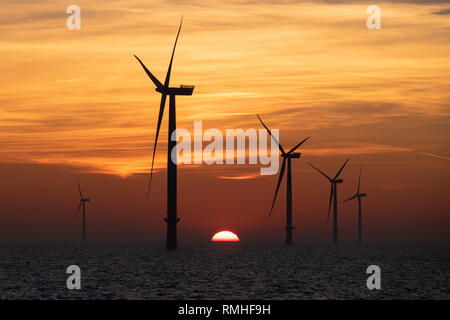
{"type": "Point", "coordinates": [338, 102]}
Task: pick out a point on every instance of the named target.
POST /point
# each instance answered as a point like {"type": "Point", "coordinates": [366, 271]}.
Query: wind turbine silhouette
{"type": "Point", "coordinates": [82, 203]}
{"type": "Point", "coordinates": [287, 156]}
{"type": "Point", "coordinates": [333, 196]}
{"type": "Point", "coordinates": [165, 90]}
{"type": "Point", "coordinates": [358, 196]}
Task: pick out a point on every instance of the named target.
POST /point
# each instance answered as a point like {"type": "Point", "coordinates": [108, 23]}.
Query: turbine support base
{"type": "Point", "coordinates": [171, 242]}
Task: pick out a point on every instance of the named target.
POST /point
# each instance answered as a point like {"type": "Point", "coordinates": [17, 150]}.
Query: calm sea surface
{"type": "Point", "coordinates": [223, 271]}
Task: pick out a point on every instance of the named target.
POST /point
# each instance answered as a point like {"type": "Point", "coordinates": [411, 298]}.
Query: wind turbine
{"type": "Point", "coordinates": [172, 92]}
{"type": "Point", "coordinates": [333, 196]}
{"type": "Point", "coordinates": [287, 156]}
{"type": "Point", "coordinates": [82, 203]}
{"type": "Point", "coordinates": [358, 196]}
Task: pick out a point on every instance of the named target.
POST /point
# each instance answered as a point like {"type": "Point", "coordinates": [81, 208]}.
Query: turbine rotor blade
{"type": "Point", "coordinates": [340, 170]}
{"type": "Point", "coordinates": [321, 172]}
{"type": "Point", "coordinates": [351, 198]}
{"type": "Point", "coordinates": [79, 188]}
{"type": "Point", "coordinates": [280, 177]}
{"type": "Point", "coordinates": [298, 145]}
{"type": "Point", "coordinates": [78, 210]}
{"type": "Point", "coordinates": [169, 70]}
{"type": "Point", "coordinates": [160, 116]}
{"type": "Point", "coordinates": [270, 133]}
{"type": "Point", "coordinates": [151, 76]}
{"type": "Point", "coordinates": [359, 179]}
{"type": "Point", "coordinates": [331, 199]}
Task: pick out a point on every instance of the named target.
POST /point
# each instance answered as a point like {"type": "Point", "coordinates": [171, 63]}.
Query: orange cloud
{"type": "Point", "coordinates": [80, 98]}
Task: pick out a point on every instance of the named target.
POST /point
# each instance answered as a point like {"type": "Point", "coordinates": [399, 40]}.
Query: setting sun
{"type": "Point", "coordinates": [225, 236]}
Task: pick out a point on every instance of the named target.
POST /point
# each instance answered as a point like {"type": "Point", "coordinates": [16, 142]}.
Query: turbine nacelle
{"type": "Point", "coordinates": [362, 195]}
{"type": "Point", "coordinates": [294, 155]}
{"type": "Point", "coordinates": [183, 90]}
{"type": "Point", "coordinates": [338, 180]}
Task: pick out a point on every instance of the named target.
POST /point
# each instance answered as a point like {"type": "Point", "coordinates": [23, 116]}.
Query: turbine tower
{"type": "Point", "coordinates": [287, 156]}
{"type": "Point", "coordinates": [358, 196]}
{"type": "Point", "coordinates": [333, 196]}
{"type": "Point", "coordinates": [82, 203]}
{"type": "Point", "coordinates": [172, 92]}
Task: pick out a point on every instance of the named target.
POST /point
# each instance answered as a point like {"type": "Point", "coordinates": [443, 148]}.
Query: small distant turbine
{"type": "Point", "coordinates": [82, 203]}
{"type": "Point", "coordinates": [286, 156]}
{"type": "Point", "coordinates": [358, 196]}
{"type": "Point", "coordinates": [333, 196]}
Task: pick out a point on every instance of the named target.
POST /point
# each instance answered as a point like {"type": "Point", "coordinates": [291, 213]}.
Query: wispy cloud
{"type": "Point", "coordinates": [362, 149]}
{"type": "Point", "coordinates": [434, 155]}
{"type": "Point", "coordinates": [442, 12]}
{"type": "Point", "coordinates": [240, 177]}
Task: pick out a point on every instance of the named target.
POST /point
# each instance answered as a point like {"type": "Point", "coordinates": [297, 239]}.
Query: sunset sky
{"type": "Point", "coordinates": [76, 102]}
